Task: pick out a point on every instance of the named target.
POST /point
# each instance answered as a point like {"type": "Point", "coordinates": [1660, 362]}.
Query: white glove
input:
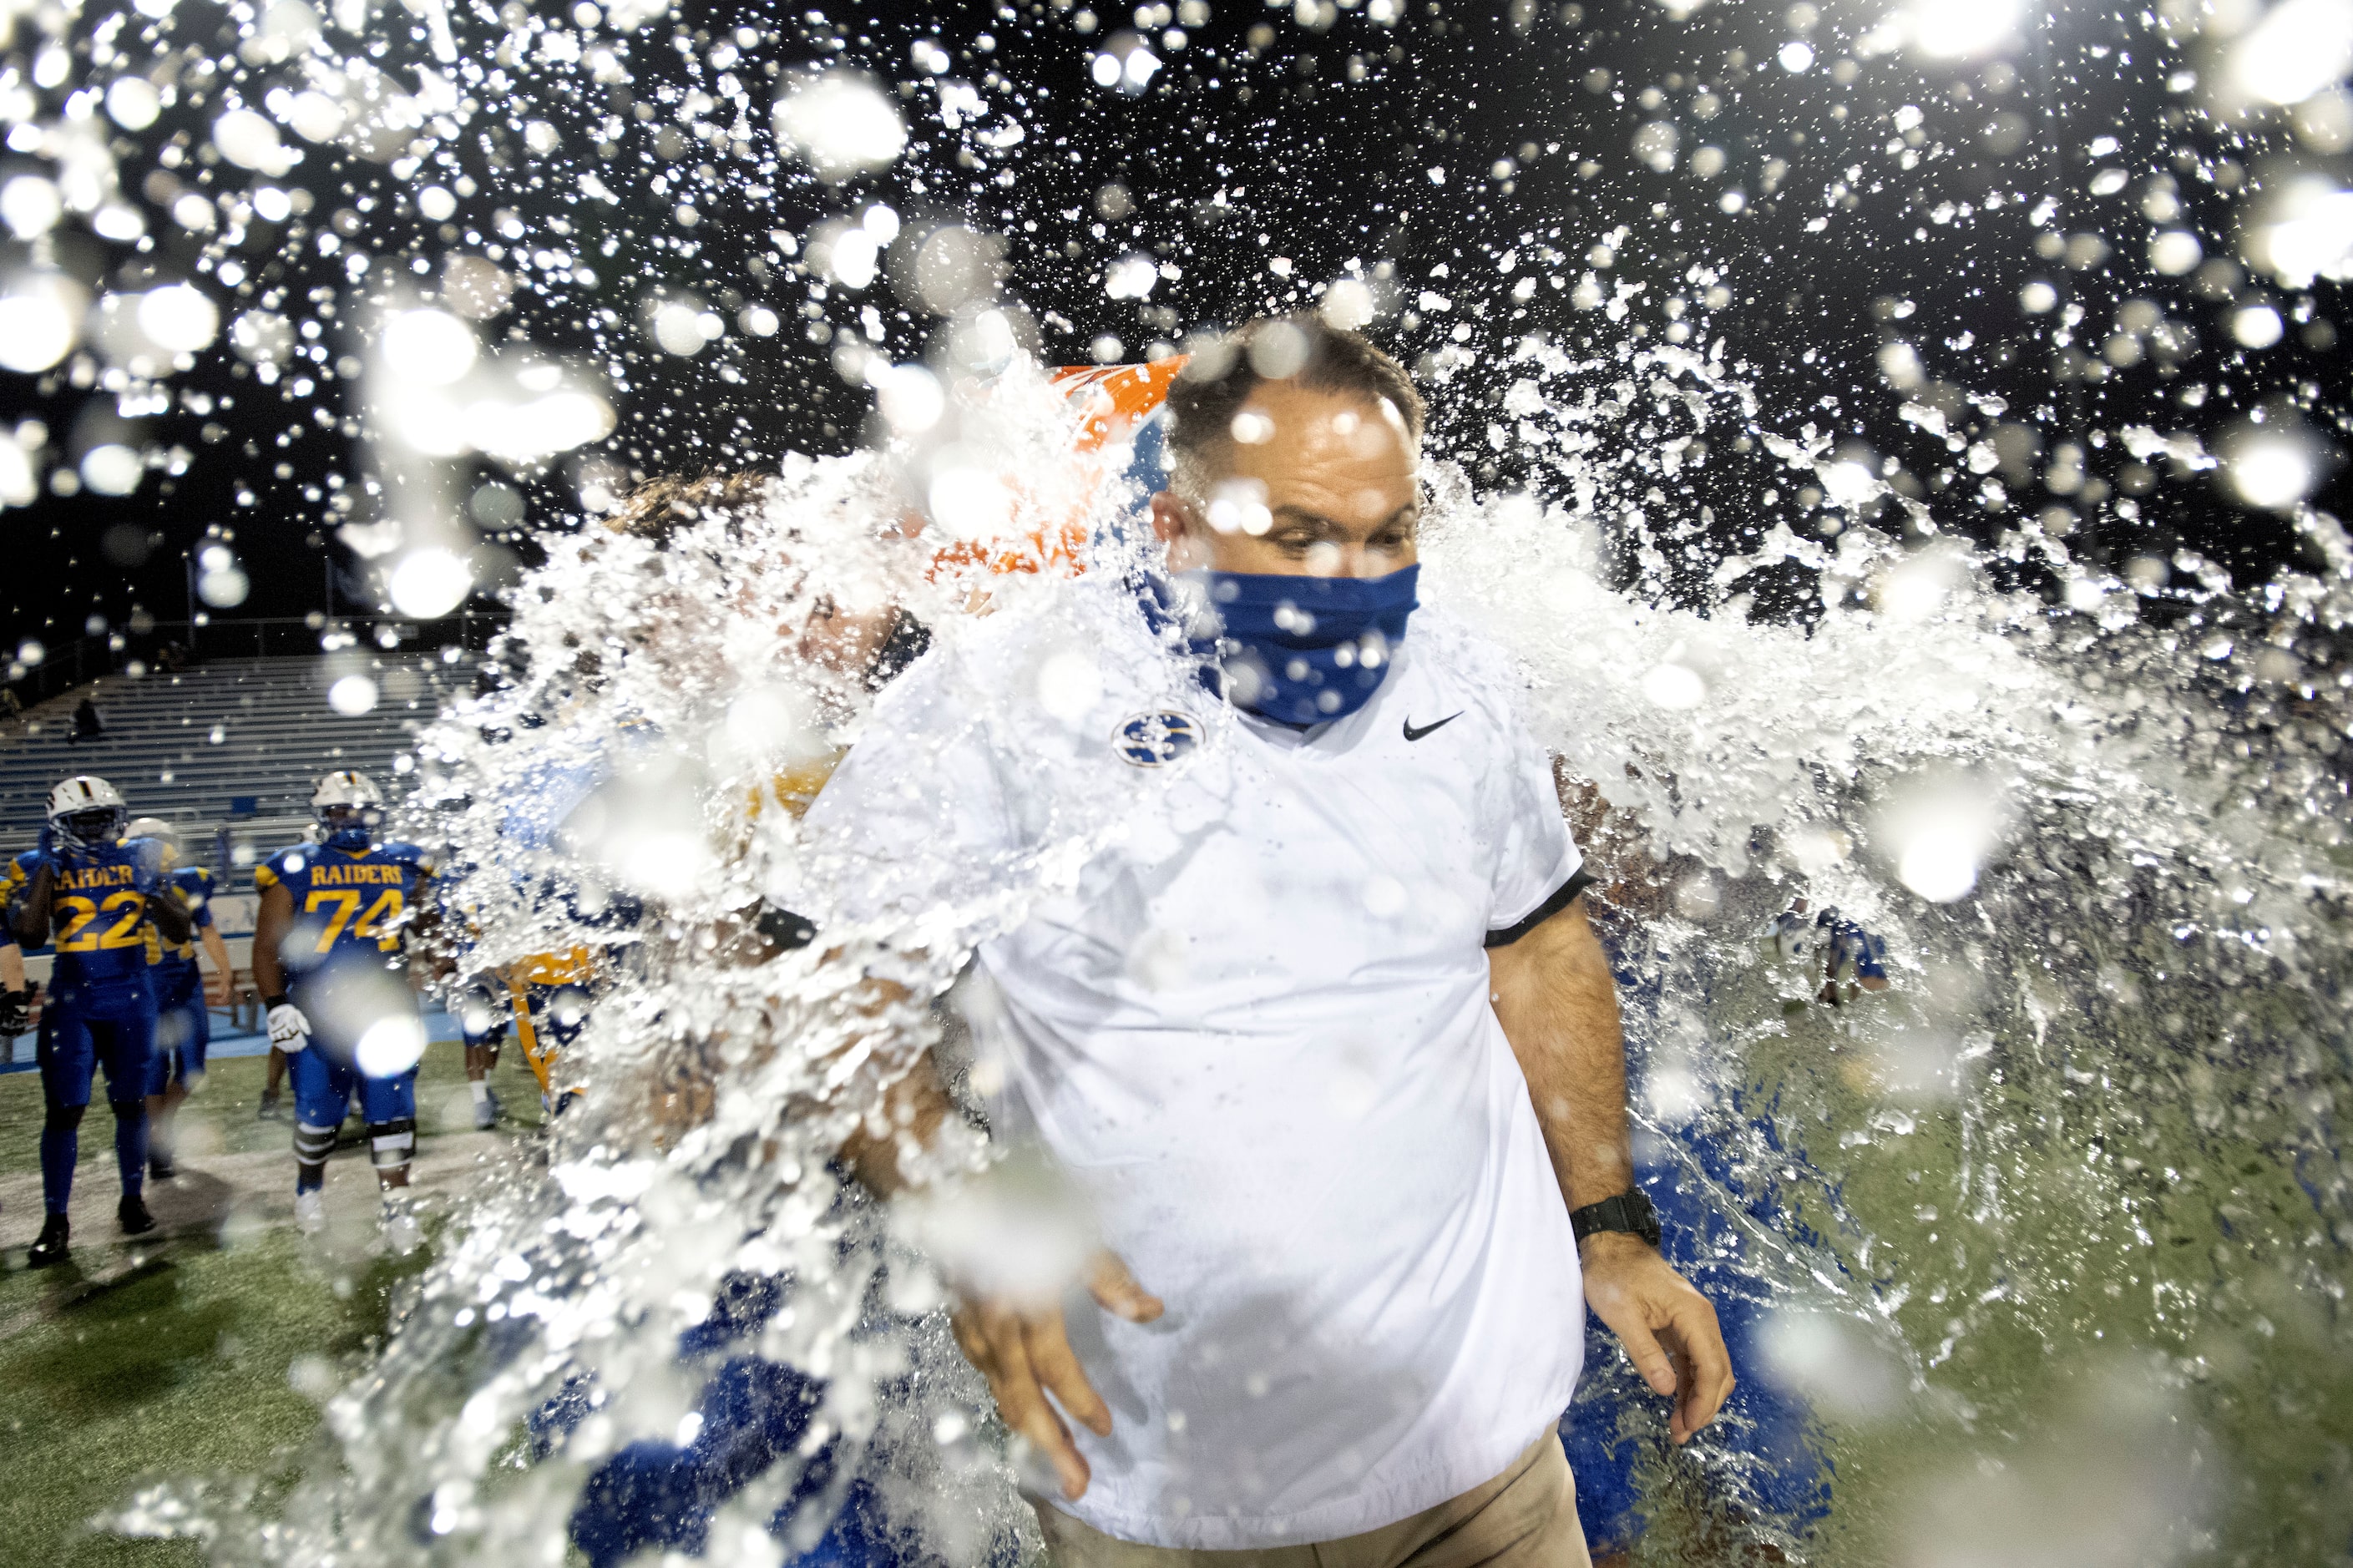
{"type": "Point", "coordinates": [289, 1030]}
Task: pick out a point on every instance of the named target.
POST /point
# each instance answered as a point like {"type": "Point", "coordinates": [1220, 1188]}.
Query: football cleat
{"type": "Point", "coordinates": [51, 1247]}
{"type": "Point", "coordinates": [269, 1110]}
{"type": "Point", "coordinates": [401, 1232]}
{"type": "Point", "coordinates": [311, 1211]}
{"type": "Point", "coordinates": [486, 1115]}
{"type": "Point", "coordinates": [132, 1212]}
{"type": "Point", "coordinates": [161, 1169]}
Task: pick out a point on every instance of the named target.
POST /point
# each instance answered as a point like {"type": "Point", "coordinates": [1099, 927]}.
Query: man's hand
{"type": "Point", "coordinates": [1022, 1349]}
{"type": "Point", "coordinates": [1668, 1329]}
{"type": "Point", "coordinates": [219, 989]}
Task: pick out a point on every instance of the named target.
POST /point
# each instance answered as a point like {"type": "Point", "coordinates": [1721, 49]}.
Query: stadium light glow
{"type": "Point", "coordinates": [428, 348]}
{"type": "Point", "coordinates": [1963, 29]}
{"type": "Point", "coordinates": [841, 125]}
{"type": "Point", "coordinates": [390, 1045]}
{"type": "Point", "coordinates": [40, 318]}
{"type": "Point", "coordinates": [2300, 47]}
{"type": "Point", "coordinates": [2273, 469]}
{"type": "Point", "coordinates": [429, 583]}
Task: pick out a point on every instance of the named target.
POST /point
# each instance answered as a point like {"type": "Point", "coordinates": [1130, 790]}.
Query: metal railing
{"type": "Point", "coordinates": [155, 644]}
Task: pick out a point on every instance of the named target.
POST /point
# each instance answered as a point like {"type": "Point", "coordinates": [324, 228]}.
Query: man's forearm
{"type": "Point", "coordinates": [31, 926]}
{"type": "Point", "coordinates": [270, 927]}
{"type": "Point", "coordinates": [12, 967]}
{"type": "Point", "coordinates": [171, 916]}
{"type": "Point", "coordinates": [1559, 1008]}
{"type": "Point", "coordinates": [1558, 1005]}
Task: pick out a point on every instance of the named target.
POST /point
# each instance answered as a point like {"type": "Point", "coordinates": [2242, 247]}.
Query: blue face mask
{"type": "Point", "coordinates": [347, 834]}
{"type": "Point", "coordinates": [1304, 651]}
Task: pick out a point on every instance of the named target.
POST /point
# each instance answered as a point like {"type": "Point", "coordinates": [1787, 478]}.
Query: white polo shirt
{"type": "Point", "coordinates": [1248, 1015]}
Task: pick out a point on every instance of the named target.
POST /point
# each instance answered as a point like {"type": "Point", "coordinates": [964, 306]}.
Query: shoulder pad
{"type": "Point", "coordinates": [406, 853]}
{"type": "Point", "coordinates": [291, 862]}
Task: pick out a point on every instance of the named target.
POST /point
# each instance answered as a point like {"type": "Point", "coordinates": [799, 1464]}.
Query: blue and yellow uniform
{"type": "Point", "coordinates": [550, 994]}
{"type": "Point", "coordinates": [13, 878]}
{"type": "Point", "coordinates": [346, 970]}
{"type": "Point", "coordinates": [184, 1024]}
{"type": "Point", "coordinates": [14, 874]}
{"type": "Point", "coordinates": [102, 1011]}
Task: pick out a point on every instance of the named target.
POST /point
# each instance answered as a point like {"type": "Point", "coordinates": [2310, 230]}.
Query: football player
{"type": "Point", "coordinates": [90, 893]}
{"type": "Point", "coordinates": [484, 1032]}
{"type": "Point", "coordinates": [550, 998]}
{"type": "Point", "coordinates": [15, 991]}
{"type": "Point", "coordinates": [331, 959]}
{"type": "Point", "coordinates": [185, 997]}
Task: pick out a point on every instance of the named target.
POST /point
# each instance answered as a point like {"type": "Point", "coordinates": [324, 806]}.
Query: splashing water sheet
{"type": "Point", "coordinates": [1896, 444]}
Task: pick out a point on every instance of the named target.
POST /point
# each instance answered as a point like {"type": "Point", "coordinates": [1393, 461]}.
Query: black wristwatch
{"type": "Point", "coordinates": [1630, 1211]}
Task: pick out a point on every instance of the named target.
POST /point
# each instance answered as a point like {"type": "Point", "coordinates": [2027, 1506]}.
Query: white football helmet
{"type": "Point", "coordinates": [153, 827]}
{"type": "Point", "coordinates": [345, 800]}
{"type": "Point", "coordinates": [86, 812]}
{"type": "Point", "coordinates": [162, 832]}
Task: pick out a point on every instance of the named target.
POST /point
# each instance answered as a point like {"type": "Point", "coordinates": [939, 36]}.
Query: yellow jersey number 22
{"type": "Point", "coordinates": [81, 933]}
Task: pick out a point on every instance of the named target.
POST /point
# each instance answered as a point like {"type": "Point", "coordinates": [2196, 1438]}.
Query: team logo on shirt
{"type": "Point", "coordinates": [1153, 740]}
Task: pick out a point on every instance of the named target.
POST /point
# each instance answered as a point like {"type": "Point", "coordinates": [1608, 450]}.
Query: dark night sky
{"type": "Point", "coordinates": [1323, 140]}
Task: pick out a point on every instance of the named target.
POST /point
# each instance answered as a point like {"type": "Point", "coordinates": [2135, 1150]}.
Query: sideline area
{"type": "Point", "coordinates": [229, 1042]}
{"type": "Point", "coordinates": [202, 1347]}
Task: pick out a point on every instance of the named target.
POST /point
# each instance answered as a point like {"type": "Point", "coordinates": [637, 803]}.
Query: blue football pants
{"type": "Point", "coordinates": [83, 1030]}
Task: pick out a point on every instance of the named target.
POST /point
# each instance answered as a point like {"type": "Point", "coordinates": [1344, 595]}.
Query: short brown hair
{"type": "Point", "coordinates": [1222, 375]}
{"type": "Point", "coordinates": [658, 509]}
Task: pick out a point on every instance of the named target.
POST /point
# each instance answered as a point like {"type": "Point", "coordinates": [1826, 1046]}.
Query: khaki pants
{"type": "Point", "coordinates": [1524, 1518]}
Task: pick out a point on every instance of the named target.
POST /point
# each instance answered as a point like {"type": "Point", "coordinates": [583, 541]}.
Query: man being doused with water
{"type": "Point", "coordinates": [1318, 1035]}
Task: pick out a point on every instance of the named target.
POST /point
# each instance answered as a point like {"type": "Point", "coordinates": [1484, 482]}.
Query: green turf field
{"type": "Point", "coordinates": [186, 1364]}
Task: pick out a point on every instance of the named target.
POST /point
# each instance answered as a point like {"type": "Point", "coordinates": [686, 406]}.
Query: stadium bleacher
{"type": "Point", "coordinates": [234, 742]}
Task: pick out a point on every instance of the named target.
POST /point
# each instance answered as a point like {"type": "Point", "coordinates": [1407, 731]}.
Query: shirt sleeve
{"type": "Point", "coordinates": [915, 820]}
{"type": "Point", "coordinates": [1537, 871]}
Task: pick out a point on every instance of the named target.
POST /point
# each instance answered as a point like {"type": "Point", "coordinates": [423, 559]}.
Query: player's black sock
{"type": "Point", "coordinates": [60, 1148]}
{"type": "Point", "coordinates": [131, 1142]}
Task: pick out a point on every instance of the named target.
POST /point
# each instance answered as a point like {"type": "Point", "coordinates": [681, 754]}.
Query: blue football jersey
{"type": "Point", "coordinates": [346, 903]}
{"type": "Point", "coordinates": [98, 910]}
{"type": "Point", "coordinates": [175, 962]}
{"type": "Point", "coordinates": [13, 879]}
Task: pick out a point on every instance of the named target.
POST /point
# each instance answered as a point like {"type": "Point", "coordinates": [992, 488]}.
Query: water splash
{"type": "Point", "coordinates": [2012, 629]}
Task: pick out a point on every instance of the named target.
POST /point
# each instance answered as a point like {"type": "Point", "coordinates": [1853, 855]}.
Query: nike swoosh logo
{"type": "Point", "coordinates": [1413, 734]}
